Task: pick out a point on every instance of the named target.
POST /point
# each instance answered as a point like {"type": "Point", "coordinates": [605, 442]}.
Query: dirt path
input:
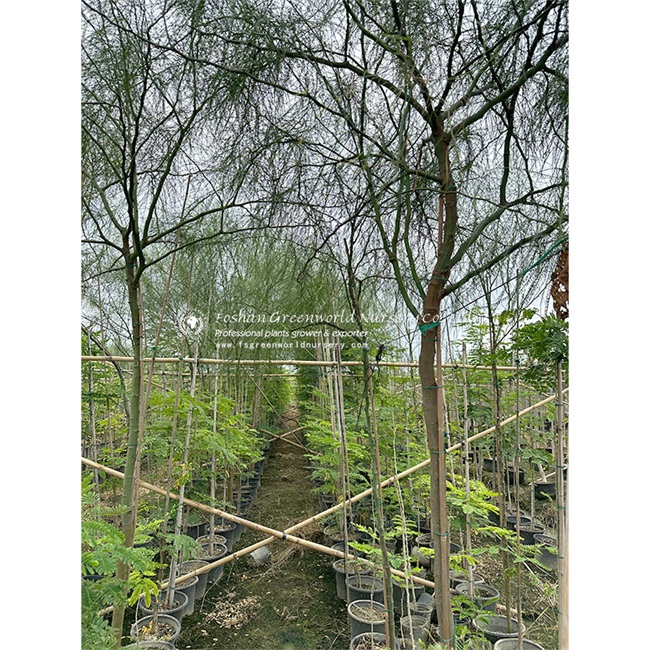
{"type": "Point", "coordinates": [294, 604]}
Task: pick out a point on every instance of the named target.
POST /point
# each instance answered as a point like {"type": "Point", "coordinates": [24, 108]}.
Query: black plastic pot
{"type": "Point", "coordinates": [189, 589]}
{"type": "Point", "coordinates": [376, 638]}
{"type": "Point", "coordinates": [359, 620]}
{"type": "Point", "coordinates": [352, 569]}
{"type": "Point", "coordinates": [177, 611]}
{"type": "Point", "coordinates": [548, 559]}
{"type": "Point", "coordinates": [510, 475]}
{"type": "Point", "coordinates": [193, 565]}
{"type": "Point", "coordinates": [512, 520]}
{"type": "Point", "coordinates": [544, 491]}
{"type": "Point", "coordinates": [527, 533]}
{"type": "Point", "coordinates": [228, 529]}
{"type": "Point", "coordinates": [340, 546]}
{"type": "Point", "coordinates": [456, 577]}
{"type": "Point", "coordinates": [416, 627]}
{"type": "Point", "coordinates": [485, 596]}
{"type": "Point", "coordinates": [196, 530]}
{"type": "Point", "coordinates": [162, 618]}
{"type": "Point", "coordinates": [365, 588]}
{"type": "Point", "coordinates": [496, 627]}
{"type": "Point", "coordinates": [217, 539]}
{"type": "Point", "coordinates": [218, 551]}
{"type": "Point", "coordinates": [421, 609]}
{"type": "Point", "coordinates": [489, 465]}
{"type": "Point", "coordinates": [513, 644]}
{"type": "Point", "coordinates": [402, 596]}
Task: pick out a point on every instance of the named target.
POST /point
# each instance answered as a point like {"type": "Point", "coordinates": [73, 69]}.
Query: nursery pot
{"type": "Point", "coordinates": [496, 627]}
{"type": "Point", "coordinates": [177, 611]}
{"type": "Point", "coordinates": [353, 568]}
{"type": "Point", "coordinates": [366, 616]}
{"type": "Point", "coordinates": [340, 546]}
{"type": "Point", "coordinates": [218, 539]}
{"type": "Point", "coordinates": [510, 474]}
{"type": "Point", "coordinates": [365, 588]}
{"type": "Point", "coordinates": [421, 609]}
{"type": "Point", "coordinates": [171, 629]}
{"type": "Point", "coordinates": [196, 530]}
{"type": "Point", "coordinates": [402, 596]}
{"type": "Point", "coordinates": [219, 550]}
{"type": "Point", "coordinates": [260, 557]}
{"type": "Point", "coordinates": [377, 639]}
{"type": "Point", "coordinates": [416, 626]}
{"type": "Point", "coordinates": [545, 491]}
{"type": "Point", "coordinates": [228, 529]}
{"type": "Point", "coordinates": [456, 577]}
{"type": "Point", "coordinates": [548, 559]}
{"type": "Point", "coordinates": [527, 533]}
{"type": "Point", "coordinates": [513, 644]}
{"type": "Point", "coordinates": [485, 596]}
{"type": "Point", "coordinates": [489, 464]}
{"type": "Point", "coordinates": [189, 589]}
{"type": "Point", "coordinates": [512, 520]}
{"type": "Point", "coordinates": [193, 565]}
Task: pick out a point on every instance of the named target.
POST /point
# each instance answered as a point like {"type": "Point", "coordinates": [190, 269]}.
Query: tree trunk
{"type": "Point", "coordinates": [129, 516]}
{"type": "Point", "coordinates": [431, 405]}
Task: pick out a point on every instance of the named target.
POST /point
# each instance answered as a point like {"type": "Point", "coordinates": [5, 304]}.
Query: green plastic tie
{"type": "Point", "coordinates": [440, 534]}
{"type": "Point", "coordinates": [428, 326]}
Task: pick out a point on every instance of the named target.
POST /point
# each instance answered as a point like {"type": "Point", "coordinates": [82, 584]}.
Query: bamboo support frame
{"type": "Point", "coordinates": [286, 535]}
{"type": "Point", "coordinates": [275, 534]}
{"type": "Point", "coordinates": [276, 437]}
{"type": "Point", "coordinates": [280, 362]}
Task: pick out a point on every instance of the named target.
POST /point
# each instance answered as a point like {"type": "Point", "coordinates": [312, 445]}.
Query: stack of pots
{"type": "Point", "coordinates": [349, 567]}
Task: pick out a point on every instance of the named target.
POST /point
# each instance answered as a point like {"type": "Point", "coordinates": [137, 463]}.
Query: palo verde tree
{"type": "Point", "coordinates": [453, 116]}
{"type": "Point", "coordinates": [157, 133]}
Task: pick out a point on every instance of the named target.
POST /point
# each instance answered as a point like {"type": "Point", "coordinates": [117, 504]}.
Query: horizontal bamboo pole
{"type": "Point", "coordinates": [275, 534]}
{"type": "Point", "coordinates": [281, 362]}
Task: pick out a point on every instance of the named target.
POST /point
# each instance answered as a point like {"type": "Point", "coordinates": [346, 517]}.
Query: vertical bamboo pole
{"type": "Point", "coordinates": [516, 466]}
{"type": "Point", "coordinates": [447, 623]}
{"type": "Point", "coordinates": [173, 565]}
{"type": "Point", "coordinates": [345, 468]}
{"type": "Point", "coordinates": [91, 415]}
{"type": "Point", "coordinates": [387, 575]}
{"type": "Point", "coordinates": [468, 530]}
{"type": "Point", "coordinates": [213, 460]}
{"type": "Point", "coordinates": [562, 526]}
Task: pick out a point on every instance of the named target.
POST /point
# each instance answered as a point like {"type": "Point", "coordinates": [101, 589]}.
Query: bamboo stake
{"type": "Point", "coordinates": [280, 362]}
{"type": "Point", "coordinates": [517, 505]}
{"type": "Point", "coordinates": [562, 525]}
{"type": "Point", "coordinates": [468, 530]}
{"type": "Point", "coordinates": [91, 414]}
{"type": "Point", "coordinates": [181, 497]}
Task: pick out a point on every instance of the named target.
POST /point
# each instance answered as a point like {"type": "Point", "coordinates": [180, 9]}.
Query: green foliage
{"type": "Point", "coordinates": [544, 344]}
{"type": "Point", "coordinates": [102, 548]}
